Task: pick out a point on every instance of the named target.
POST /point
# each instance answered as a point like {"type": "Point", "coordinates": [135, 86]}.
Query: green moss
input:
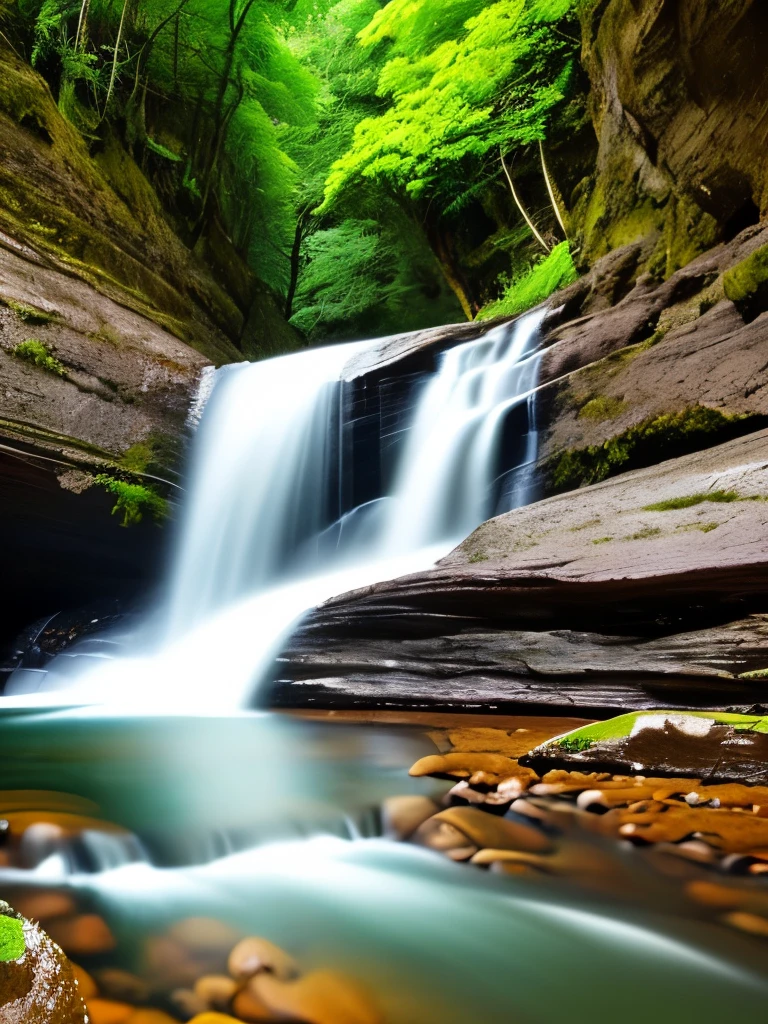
{"type": "Point", "coordinates": [602, 408]}
{"type": "Point", "coordinates": [655, 439]}
{"type": "Point", "coordinates": [478, 556]}
{"type": "Point", "coordinates": [138, 457]}
{"type": "Point", "coordinates": [134, 501]}
{"type": "Point", "coordinates": [746, 284]}
{"type": "Point", "coordinates": [645, 533]}
{"type": "Point", "coordinates": [12, 944]}
{"type": "Point", "coordinates": [602, 540]}
{"type": "Point", "coordinates": [760, 673]}
{"type": "Point", "coordinates": [706, 527]}
{"type": "Point", "coordinates": [29, 314]}
{"type": "Point", "coordinates": [553, 272]}
{"type": "Point", "coordinates": [34, 351]}
{"type": "Point", "coordinates": [574, 744]}
{"type": "Point", "coordinates": [671, 504]}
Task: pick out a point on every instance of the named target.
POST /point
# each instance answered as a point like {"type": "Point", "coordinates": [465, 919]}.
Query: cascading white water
{"type": "Point", "coordinates": [254, 550]}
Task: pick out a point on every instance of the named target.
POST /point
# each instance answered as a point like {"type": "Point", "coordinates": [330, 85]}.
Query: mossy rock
{"type": "Point", "coordinates": [37, 983]}
{"type": "Point", "coordinates": [746, 284]}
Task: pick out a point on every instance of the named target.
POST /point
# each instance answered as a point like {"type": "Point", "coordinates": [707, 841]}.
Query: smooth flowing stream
{"type": "Point", "coordinates": [261, 822]}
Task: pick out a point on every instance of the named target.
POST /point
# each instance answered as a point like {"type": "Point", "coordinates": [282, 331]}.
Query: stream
{"type": "Point", "coordinates": [271, 825]}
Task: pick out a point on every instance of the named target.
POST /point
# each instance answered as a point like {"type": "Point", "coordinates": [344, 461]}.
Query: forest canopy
{"type": "Point", "coordinates": [379, 166]}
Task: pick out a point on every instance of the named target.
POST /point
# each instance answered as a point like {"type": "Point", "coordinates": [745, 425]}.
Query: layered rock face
{"type": "Point", "coordinates": [678, 97]}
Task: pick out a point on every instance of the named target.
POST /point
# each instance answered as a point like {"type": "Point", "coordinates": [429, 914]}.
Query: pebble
{"type": "Point", "coordinates": [123, 986]}
{"type": "Point", "coordinates": [745, 922]}
{"type": "Point", "coordinates": [444, 838]}
{"type": "Point", "coordinates": [321, 997]}
{"type": "Point", "coordinates": [402, 815]}
{"type": "Point", "coordinates": [213, 1018]}
{"type": "Point", "coordinates": [254, 955]}
{"type": "Point", "coordinates": [187, 1004]}
{"type": "Point", "coordinates": [151, 1017]}
{"type": "Point", "coordinates": [248, 1006]}
{"type": "Point", "coordinates": [488, 830]}
{"type": "Point", "coordinates": [216, 991]}
{"type": "Point", "coordinates": [107, 1011]}
{"type": "Point", "coordinates": [84, 935]}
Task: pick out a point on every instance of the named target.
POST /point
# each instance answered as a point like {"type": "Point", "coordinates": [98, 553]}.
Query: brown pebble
{"type": "Point", "coordinates": [186, 1003]}
{"type": "Point", "coordinates": [123, 986]}
{"type": "Point", "coordinates": [107, 1011]}
{"type": "Point", "coordinates": [216, 991]}
{"type": "Point", "coordinates": [86, 986]}
{"type": "Point", "coordinates": [213, 1018]}
{"type": "Point", "coordinates": [149, 1016]}
{"type": "Point", "coordinates": [84, 935]}
{"type": "Point", "coordinates": [402, 815]}
{"type": "Point", "coordinates": [745, 922]}
{"type": "Point", "coordinates": [204, 934]}
{"type": "Point", "coordinates": [254, 955]}
{"type": "Point", "coordinates": [444, 838]}
{"type": "Point", "coordinates": [488, 830]}
{"type": "Point", "coordinates": [42, 906]}
{"type": "Point", "coordinates": [322, 997]}
{"type": "Point", "coordinates": [248, 1006]}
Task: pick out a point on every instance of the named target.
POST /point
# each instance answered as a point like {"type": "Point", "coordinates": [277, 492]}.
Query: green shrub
{"type": "Point", "coordinates": [34, 351]}
{"type": "Point", "coordinates": [555, 271]}
{"type": "Point", "coordinates": [29, 314]}
{"type": "Point", "coordinates": [133, 500]}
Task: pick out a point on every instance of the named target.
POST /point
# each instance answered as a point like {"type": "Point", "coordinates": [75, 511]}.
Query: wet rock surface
{"type": "Point", "coordinates": [670, 561]}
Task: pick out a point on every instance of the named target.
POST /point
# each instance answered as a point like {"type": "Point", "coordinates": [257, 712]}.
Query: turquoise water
{"type": "Point", "coordinates": [432, 940]}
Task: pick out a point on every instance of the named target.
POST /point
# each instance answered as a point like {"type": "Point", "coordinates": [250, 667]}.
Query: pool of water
{"type": "Point", "coordinates": [269, 826]}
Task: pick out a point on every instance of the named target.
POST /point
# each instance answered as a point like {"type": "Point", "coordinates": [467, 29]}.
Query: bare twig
{"type": "Point", "coordinates": [551, 190]}
{"type": "Point", "coordinates": [520, 206]}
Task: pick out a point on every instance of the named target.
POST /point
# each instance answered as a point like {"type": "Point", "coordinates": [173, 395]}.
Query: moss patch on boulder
{"type": "Point", "coordinates": [654, 440]}
{"type": "Point", "coordinates": [746, 284]}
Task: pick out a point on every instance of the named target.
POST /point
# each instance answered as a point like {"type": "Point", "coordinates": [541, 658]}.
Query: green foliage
{"type": "Point", "coordinates": [653, 440]}
{"type": "Point", "coordinates": [34, 351]}
{"type": "Point", "coordinates": [479, 79]}
{"type": "Point", "coordinates": [134, 501]}
{"type": "Point", "coordinates": [690, 500]}
{"type": "Point", "coordinates": [548, 275]}
{"type": "Point", "coordinates": [12, 944]}
{"type": "Point", "coordinates": [746, 284]}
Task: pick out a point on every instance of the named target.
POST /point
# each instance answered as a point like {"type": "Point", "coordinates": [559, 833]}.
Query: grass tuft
{"type": "Point", "coordinates": [672, 504]}
{"type": "Point", "coordinates": [34, 351]}
{"type": "Point", "coordinates": [134, 501]}
{"type": "Point", "coordinates": [553, 272]}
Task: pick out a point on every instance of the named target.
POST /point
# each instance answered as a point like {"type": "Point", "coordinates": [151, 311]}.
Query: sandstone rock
{"type": "Point", "coordinates": [321, 997]}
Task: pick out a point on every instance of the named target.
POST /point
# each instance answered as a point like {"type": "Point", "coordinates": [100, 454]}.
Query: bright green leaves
{"type": "Point", "coordinates": [491, 85]}
{"type": "Point", "coordinates": [12, 944]}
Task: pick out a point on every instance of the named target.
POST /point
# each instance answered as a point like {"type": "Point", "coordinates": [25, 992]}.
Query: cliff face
{"type": "Point", "coordinates": [679, 99]}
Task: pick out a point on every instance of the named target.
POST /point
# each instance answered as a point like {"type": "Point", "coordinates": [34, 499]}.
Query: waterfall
{"type": "Point", "coordinates": [264, 535]}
